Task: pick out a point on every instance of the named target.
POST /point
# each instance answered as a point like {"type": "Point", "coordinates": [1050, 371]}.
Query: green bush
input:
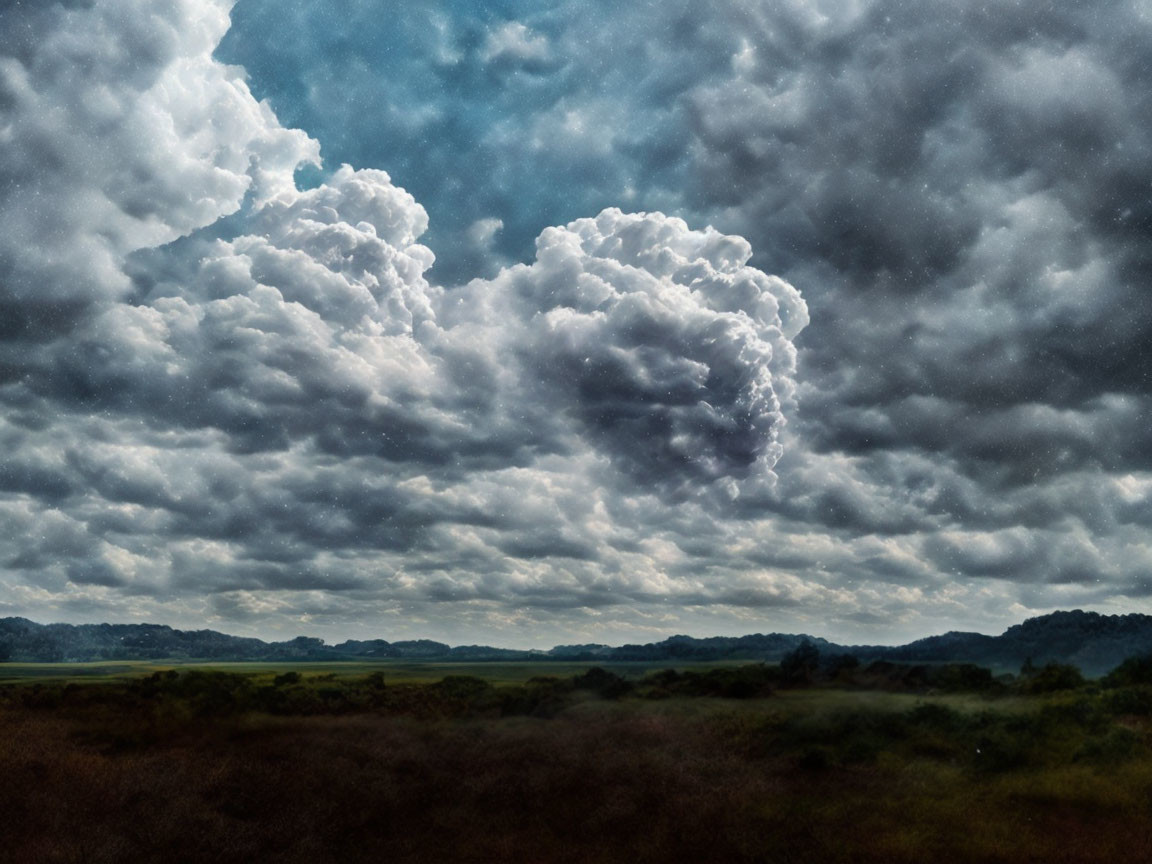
{"type": "Point", "coordinates": [607, 684]}
{"type": "Point", "coordinates": [1116, 745]}
{"type": "Point", "coordinates": [1051, 678]}
{"type": "Point", "coordinates": [799, 666]}
{"type": "Point", "coordinates": [1133, 671]}
{"type": "Point", "coordinates": [1135, 700]}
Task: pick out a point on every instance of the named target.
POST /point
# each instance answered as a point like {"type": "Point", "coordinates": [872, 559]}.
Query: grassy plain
{"type": "Point", "coordinates": [310, 763]}
{"type": "Point", "coordinates": [395, 670]}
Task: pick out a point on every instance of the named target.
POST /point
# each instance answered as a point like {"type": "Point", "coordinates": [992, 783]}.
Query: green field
{"type": "Point", "coordinates": [393, 670]}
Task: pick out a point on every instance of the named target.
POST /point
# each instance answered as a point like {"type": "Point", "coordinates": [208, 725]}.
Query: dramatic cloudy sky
{"type": "Point", "coordinates": [531, 322]}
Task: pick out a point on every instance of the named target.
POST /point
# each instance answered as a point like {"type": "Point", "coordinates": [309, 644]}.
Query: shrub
{"type": "Point", "coordinates": [799, 666]}
{"type": "Point", "coordinates": [1134, 670]}
{"type": "Point", "coordinates": [1130, 700]}
{"type": "Point", "coordinates": [840, 665]}
{"type": "Point", "coordinates": [1051, 678]}
{"type": "Point", "coordinates": [1116, 745]}
{"type": "Point", "coordinates": [963, 678]}
{"type": "Point", "coordinates": [375, 681]}
{"type": "Point", "coordinates": [606, 684]}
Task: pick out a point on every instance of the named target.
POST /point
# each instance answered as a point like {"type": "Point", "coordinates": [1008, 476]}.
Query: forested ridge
{"type": "Point", "coordinates": [1091, 641]}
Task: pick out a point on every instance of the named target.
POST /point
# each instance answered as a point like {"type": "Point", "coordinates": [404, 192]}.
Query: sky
{"type": "Point", "coordinates": [529, 323]}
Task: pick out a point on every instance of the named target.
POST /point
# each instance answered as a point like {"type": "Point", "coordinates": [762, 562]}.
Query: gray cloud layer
{"type": "Point", "coordinates": [284, 407]}
{"type": "Point", "coordinates": [283, 414]}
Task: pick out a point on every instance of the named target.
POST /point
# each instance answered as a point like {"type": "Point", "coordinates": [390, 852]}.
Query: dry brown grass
{"type": "Point", "coordinates": [605, 782]}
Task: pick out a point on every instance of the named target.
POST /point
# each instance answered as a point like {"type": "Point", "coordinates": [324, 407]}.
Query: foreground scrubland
{"type": "Point", "coordinates": [829, 764]}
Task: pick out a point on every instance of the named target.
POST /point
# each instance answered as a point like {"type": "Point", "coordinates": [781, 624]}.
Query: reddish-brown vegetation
{"type": "Point", "coordinates": [110, 773]}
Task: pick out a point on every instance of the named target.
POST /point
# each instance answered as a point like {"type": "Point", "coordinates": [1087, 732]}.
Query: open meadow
{"type": "Point", "coordinates": [415, 671]}
{"type": "Point", "coordinates": [399, 762]}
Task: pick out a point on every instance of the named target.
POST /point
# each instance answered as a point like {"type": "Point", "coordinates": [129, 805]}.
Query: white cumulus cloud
{"type": "Point", "coordinates": [285, 403]}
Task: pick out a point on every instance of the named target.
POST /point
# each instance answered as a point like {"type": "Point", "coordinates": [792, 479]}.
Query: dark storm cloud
{"type": "Point", "coordinates": [284, 412]}
{"type": "Point", "coordinates": [958, 191]}
{"type": "Point", "coordinates": [942, 171]}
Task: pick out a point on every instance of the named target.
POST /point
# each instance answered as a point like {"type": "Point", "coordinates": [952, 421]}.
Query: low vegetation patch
{"type": "Point", "coordinates": [820, 760]}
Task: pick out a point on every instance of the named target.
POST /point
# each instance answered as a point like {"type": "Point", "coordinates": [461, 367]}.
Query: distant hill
{"type": "Point", "coordinates": [1096, 643]}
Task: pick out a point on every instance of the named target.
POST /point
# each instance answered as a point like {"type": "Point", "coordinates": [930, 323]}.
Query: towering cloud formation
{"type": "Point", "coordinates": [960, 189]}
{"type": "Point", "coordinates": [660, 343]}
{"type": "Point", "coordinates": [292, 409]}
{"type": "Point", "coordinates": [279, 411]}
{"type": "Point", "coordinates": [119, 132]}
